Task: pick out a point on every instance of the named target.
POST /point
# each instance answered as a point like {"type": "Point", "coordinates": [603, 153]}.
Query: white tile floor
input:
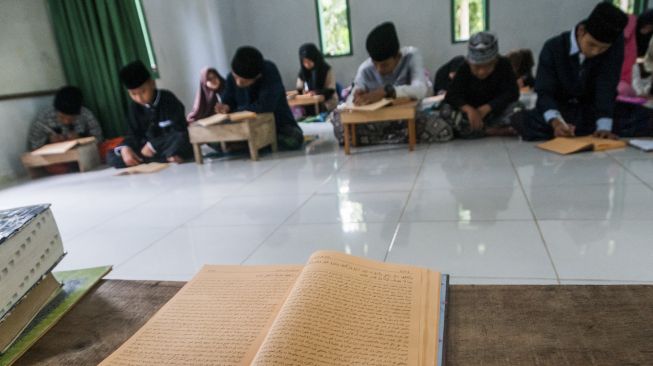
{"type": "Point", "coordinates": [493, 211]}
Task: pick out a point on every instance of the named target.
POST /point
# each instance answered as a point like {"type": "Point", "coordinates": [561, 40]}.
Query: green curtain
{"type": "Point", "coordinates": [95, 38]}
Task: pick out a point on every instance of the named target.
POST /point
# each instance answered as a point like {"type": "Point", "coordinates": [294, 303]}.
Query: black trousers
{"type": "Point", "coordinates": [173, 143]}
{"type": "Point", "coordinates": [630, 120]}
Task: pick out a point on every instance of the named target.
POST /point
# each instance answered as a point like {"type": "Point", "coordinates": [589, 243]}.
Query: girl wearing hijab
{"type": "Point", "coordinates": [209, 94]}
{"type": "Point", "coordinates": [316, 77]}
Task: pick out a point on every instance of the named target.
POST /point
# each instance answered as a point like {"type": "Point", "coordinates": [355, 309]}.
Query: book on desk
{"type": "Point", "coordinates": [336, 309]}
{"type": "Point", "coordinates": [226, 117]}
{"type": "Point", "coordinates": [62, 147]}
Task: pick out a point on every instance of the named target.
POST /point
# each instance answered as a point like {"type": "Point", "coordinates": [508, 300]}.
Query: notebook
{"type": "Point", "coordinates": [570, 145]}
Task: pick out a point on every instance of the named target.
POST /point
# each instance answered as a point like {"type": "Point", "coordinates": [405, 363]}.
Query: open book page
{"type": "Point", "coordinates": [220, 317]}
{"type": "Point", "coordinates": [369, 107]}
{"type": "Point", "coordinates": [62, 147]}
{"type": "Point", "coordinates": [213, 120]}
{"type": "Point", "coordinates": [143, 168]}
{"type": "Point", "coordinates": [600, 144]}
{"type": "Point", "coordinates": [565, 145]}
{"type": "Point", "coordinates": [345, 310]}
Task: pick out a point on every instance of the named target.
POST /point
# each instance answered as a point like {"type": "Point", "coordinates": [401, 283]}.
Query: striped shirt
{"type": "Point", "coordinates": [47, 123]}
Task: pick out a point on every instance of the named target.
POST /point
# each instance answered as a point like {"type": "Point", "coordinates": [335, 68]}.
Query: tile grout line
{"type": "Point", "coordinates": [621, 164]}
{"type": "Point", "coordinates": [174, 228]}
{"type": "Point", "coordinates": [276, 229]}
{"type": "Point", "coordinates": [530, 207]}
{"type": "Point", "coordinates": [403, 210]}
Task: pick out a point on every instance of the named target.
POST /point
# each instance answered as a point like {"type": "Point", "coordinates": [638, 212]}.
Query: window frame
{"type": "Point", "coordinates": [452, 11]}
{"type": "Point", "coordinates": [319, 31]}
{"type": "Point", "coordinates": [142, 21]}
{"type": "Point", "coordinates": [639, 6]}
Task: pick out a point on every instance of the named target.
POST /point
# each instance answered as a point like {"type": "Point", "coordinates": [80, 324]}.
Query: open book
{"type": "Point", "coordinates": [221, 118]}
{"type": "Point", "coordinates": [143, 168]}
{"type": "Point", "coordinates": [570, 145]}
{"type": "Point", "coordinates": [335, 310]}
{"type": "Point", "coordinates": [369, 107]}
{"type": "Point", "coordinates": [62, 147]}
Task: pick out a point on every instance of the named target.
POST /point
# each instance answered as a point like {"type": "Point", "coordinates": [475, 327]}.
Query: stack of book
{"type": "Point", "coordinates": [30, 246]}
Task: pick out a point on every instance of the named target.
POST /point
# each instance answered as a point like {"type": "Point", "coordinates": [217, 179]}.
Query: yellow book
{"type": "Point", "coordinates": [335, 310]}
{"type": "Point", "coordinates": [570, 145]}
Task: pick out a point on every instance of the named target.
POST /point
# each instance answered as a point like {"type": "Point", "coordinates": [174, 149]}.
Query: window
{"type": "Point", "coordinates": [334, 27]}
{"type": "Point", "coordinates": [632, 6]}
{"type": "Point", "coordinates": [468, 17]}
{"type": "Point", "coordinates": [146, 37]}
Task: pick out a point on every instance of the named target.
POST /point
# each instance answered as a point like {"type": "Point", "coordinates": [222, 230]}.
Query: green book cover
{"type": "Point", "coordinates": [75, 284]}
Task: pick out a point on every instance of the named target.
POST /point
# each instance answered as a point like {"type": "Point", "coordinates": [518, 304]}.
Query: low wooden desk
{"type": "Point", "coordinates": [400, 112]}
{"type": "Point", "coordinates": [486, 325]}
{"type": "Point", "coordinates": [315, 100]}
{"type": "Point", "coordinates": [258, 132]}
{"type": "Point", "coordinates": [86, 156]}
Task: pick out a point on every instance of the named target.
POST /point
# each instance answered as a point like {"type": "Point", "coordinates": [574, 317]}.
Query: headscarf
{"type": "Point", "coordinates": [206, 98]}
{"type": "Point", "coordinates": [315, 77]}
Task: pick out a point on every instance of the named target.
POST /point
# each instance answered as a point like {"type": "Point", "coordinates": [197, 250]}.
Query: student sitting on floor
{"type": "Point", "coordinates": [577, 77]}
{"type": "Point", "coordinates": [484, 90]}
{"type": "Point", "coordinates": [316, 77]}
{"type": "Point", "coordinates": [212, 85]}
{"type": "Point", "coordinates": [522, 64]}
{"type": "Point", "coordinates": [445, 75]}
{"type": "Point", "coordinates": [255, 85]}
{"type": "Point", "coordinates": [65, 120]}
{"type": "Point", "coordinates": [156, 124]}
{"type": "Point", "coordinates": [390, 72]}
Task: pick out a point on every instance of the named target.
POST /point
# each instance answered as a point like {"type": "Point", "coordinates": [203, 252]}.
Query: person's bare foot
{"type": "Point", "coordinates": [500, 131]}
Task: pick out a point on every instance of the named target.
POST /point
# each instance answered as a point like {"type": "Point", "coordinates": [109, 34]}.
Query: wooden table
{"type": "Point", "coordinates": [302, 100]}
{"type": "Point", "coordinates": [86, 156]}
{"type": "Point", "coordinates": [486, 325]}
{"type": "Point", "coordinates": [400, 112]}
{"type": "Point", "coordinates": [258, 132]}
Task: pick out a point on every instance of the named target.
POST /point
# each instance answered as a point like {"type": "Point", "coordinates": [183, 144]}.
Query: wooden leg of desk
{"type": "Point", "coordinates": [346, 128]}
{"type": "Point", "coordinates": [354, 140]}
{"type": "Point", "coordinates": [197, 151]}
{"type": "Point", "coordinates": [412, 138]}
{"type": "Point", "coordinates": [253, 151]}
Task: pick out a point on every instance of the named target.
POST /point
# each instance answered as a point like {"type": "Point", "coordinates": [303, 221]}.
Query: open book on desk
{"type": "Point", "coordinates": [62, 147]}
{"type": "Point", "coordinates": [335, 310]}
{"type": "Point", "coordinates": [223, 117]}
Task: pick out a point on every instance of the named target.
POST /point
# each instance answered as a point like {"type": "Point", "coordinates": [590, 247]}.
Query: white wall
{"type": "Point", "coordinates": [29, 59]}
{"type": "Point", "coordinates": [279, 27]}
{"type": "Point", "coordinates": [16, 116]}
{"type": "Point", "coordinates": [26, 47]}
{"type": "Point", "coordinates": [186, 36]}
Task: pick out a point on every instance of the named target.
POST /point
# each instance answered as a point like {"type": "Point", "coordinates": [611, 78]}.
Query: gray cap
{"type": "Point", "coordinates": [482, 48]}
